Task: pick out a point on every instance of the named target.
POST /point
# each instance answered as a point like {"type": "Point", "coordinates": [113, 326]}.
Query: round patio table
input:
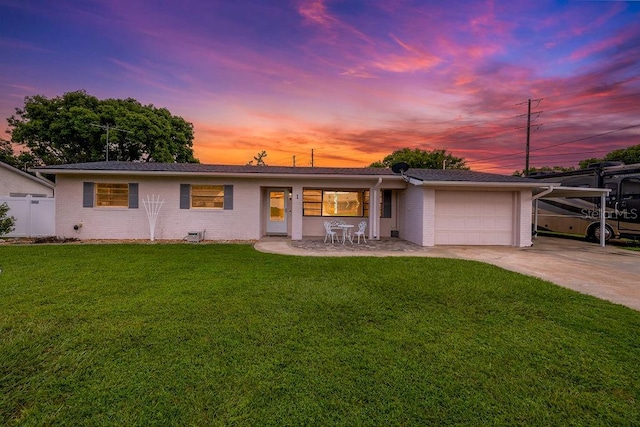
{"type": "Point", "coordinates": [346, 232]}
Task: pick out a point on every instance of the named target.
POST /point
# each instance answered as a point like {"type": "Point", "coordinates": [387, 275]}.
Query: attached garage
{"type": "Point", "coordinates": [474, 218]}
{"type": "Point", "coordinates": [462, 207]}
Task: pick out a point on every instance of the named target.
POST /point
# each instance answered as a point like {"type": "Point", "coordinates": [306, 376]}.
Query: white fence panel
{"type": "Point", "coordinates": [35, 216]}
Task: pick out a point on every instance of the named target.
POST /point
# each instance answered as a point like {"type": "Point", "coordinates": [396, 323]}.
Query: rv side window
{"type": "Point", "coordinates": [631, 188]}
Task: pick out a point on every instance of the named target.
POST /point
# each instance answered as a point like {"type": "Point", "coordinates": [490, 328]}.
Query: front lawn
{"type": "Point", "coordinates": [221, 334]}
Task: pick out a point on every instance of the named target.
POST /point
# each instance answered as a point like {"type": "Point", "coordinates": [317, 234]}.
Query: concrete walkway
{"type": "Point", "coordinates": [610, 273]}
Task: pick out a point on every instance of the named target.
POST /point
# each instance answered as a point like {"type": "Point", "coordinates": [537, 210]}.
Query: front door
{"type": "Point", "coordinates": [277, 211]}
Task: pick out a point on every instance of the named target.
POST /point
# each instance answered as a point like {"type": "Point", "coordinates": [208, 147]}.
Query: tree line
{"type": "Point", "coordinates": [628, 156]}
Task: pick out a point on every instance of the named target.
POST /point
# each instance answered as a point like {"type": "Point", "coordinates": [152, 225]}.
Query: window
{"type": "Point", "coordinates": [207, 196]}
{"type": "Point", "coordinates": [112, 195]}
{"type": "Point", "coordinates": [631, 188]}
{"type": "Point", "coordinates": [385, 204]}
{"type": "Point", "coordinates": [312, 203]}
{"type": "Point", "coordinates": [614, 190]}
{"type": "Point", "coordinates": [353, 203]}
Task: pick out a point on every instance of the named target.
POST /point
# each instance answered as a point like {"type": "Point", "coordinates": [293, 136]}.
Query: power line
{"type": "Point", "coordinates": [595, 101]}
{"type": "Point", "coordinates": [630, 80]}
{"type": "Point", "coordinates": [559, 144]}
{"type": "Point", "coordinates": [588, 137]}
{"type": "Point", "coordinates": [535, 157]}
{"type": "Point", "coordinates": [550, 124]}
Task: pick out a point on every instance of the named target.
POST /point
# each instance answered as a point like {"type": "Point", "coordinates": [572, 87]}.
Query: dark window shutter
{"type": "Point", "coordinates": [185, 196]}
{"type": "Point", "coordinates": [87, 194]}
{"type": "Point", "coordinates": [386, 203]}
{"type": "Point", "coordinates": [133, 195]}
{"type": "Point", "coordinates": [228, 197]}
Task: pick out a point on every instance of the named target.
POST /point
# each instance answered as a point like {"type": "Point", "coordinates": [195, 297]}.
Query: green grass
{"type": "Point", "coordinates": [222, 334]}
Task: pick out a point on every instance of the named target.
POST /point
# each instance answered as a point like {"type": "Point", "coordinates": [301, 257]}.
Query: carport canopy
{"type": "Point", "coordinates": [553, 191]}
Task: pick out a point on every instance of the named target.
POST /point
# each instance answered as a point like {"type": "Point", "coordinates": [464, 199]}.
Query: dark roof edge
{"type": "Point", "coordinates": [175, 169]}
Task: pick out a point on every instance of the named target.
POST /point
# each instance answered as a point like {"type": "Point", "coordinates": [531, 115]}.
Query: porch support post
{"type": "Point", "coordinates": [296, 212]}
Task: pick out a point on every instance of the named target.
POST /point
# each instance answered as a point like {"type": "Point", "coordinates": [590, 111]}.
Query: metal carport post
{"type": "Point", "coordinates": [573, 192]}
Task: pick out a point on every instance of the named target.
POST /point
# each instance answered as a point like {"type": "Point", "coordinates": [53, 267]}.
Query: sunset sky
{"type": "Point", "coordinates": [352, 80]}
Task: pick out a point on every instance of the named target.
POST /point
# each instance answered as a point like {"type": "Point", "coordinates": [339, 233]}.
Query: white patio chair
{"type": "Point", "coordinates": [361, 228]}
{"type": "Point", "coordinates": [329, 232]}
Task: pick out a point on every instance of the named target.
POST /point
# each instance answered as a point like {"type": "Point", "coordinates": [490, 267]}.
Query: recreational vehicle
{"type": "Point", "coordinates": [581, 216]}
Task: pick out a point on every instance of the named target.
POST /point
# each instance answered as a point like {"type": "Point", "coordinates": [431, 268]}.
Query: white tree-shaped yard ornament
{"type": "Point", "coordinates": [152, 205]}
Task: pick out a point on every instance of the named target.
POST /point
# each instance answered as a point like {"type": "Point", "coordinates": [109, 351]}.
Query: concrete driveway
{"type": "Point", "coordinates": [610, 273]}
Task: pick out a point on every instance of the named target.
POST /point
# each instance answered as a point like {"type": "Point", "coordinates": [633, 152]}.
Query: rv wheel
{"type": "Point", "coordinates": [595, 233]}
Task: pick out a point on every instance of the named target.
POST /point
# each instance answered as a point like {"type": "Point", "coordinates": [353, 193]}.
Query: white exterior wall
{"type": "Point", "coordinates": [15, 181]}
{"type": "Point", "coordinates": [417, 215]}
{"type": "Point", "coordinates": [524, 203]}
{"type": "Point", "coordinates": [247, 220]}
{"type": "Point", "coordinates": [241, 223]}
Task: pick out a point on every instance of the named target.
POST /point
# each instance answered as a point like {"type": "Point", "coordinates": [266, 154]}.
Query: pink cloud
{"type": "Point", "coordinates": [600, 46]}
{"type": "Point", "coordinates": [316, 12]}
{"type": "Point", "coordinates": [412, 59]}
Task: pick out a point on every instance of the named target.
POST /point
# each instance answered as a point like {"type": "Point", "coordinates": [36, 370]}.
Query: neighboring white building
{"type": "Point", "coordinates": [105, 200]}
{"type": "Point", "coordinates": [30, 201]}
{"type": "Point", "coordinates": [16, 183]}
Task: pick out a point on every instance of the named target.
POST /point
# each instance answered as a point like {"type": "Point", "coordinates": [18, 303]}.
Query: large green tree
{"type": "Point", "coordinates": [72, 128]}
{"type": "Point", "coordinates": [629, 155]}
{"type": "Point", "coordinates": [422, 159]}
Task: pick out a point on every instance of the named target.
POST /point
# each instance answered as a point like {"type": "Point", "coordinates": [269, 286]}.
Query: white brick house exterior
{"type": "Point", "coordinates": [248, 198]}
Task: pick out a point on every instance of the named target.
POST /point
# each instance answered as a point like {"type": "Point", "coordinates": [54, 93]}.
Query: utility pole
{"type": "Point", "coordinates": [528, 146]}
{"type": "Point", "coordinates": [312, 157]}
{"type": "Point", "coordinates": [107, 127]}
{"type": "Point", "coordinates": [526, 162]}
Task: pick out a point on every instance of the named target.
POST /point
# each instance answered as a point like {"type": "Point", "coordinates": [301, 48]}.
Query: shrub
{"type": "Point", "coordinates": [7, 223]}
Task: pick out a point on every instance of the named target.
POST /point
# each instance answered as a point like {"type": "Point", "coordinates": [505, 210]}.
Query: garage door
{"type": "Point", "coordinates": [473, 218]}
